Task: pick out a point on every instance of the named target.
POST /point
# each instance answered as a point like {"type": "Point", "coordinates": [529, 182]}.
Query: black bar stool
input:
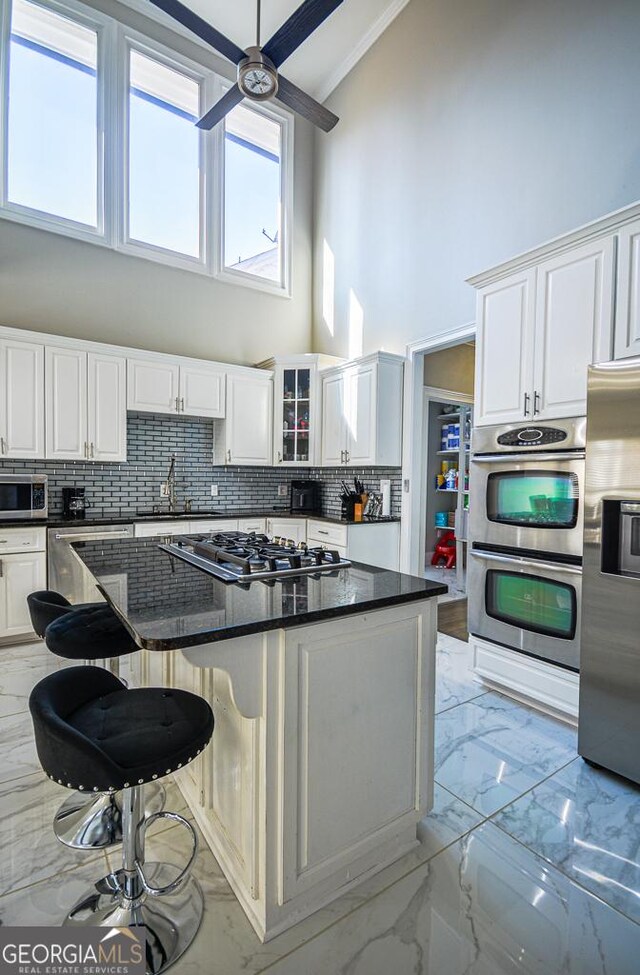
{"type": "Point", "coordinates": [94, 735]}
{"type": "Point", "coordinates": [90, 631]}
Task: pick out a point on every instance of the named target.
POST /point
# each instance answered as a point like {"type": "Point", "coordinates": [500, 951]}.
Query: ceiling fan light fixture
{"type": "Point", "coordinates": [257, 76]}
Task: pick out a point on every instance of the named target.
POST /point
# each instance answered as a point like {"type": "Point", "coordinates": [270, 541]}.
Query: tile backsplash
{"type": "Point", "coordinates": [119, 490]}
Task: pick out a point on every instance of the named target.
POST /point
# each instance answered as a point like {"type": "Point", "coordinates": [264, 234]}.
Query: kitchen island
{"type": "Point", "coordinates": [322, 686]}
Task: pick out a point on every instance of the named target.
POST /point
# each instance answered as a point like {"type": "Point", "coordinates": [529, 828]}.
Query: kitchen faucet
{"type": "Point", "coordinates": [170, 485]}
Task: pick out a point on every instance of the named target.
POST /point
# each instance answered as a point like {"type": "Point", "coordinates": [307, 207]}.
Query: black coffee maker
{"type": "Point", "coordinates": [74, 503]}
{"type": "Point", "coordinates": [305, 497]}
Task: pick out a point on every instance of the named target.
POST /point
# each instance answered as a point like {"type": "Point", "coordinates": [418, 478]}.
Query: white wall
{"type": "Point", "coordinates": [472, 130]}
{"type": "Point", "coordinates": [54, 284]}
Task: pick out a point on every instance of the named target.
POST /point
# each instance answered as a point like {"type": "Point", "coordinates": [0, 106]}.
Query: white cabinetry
{"type": "Point", "coordinates": [21, 400]}
{"type": "Point", "coordinates": [248, 426]}
{"type": "Point", "coordinates": [293, 528]}
{"type": "Point", "coordinates": [86, 405]}
{"type": "Point", "coordinates": [23, 569]}
{"type": "Point", "coordinates": [627, 338]}
{"type": "Point", "coordinates": [362, 412]}
{"type": "Point", "coordinates": [538, 331]}
{"type": "Point", "coordinates": [165, 385]}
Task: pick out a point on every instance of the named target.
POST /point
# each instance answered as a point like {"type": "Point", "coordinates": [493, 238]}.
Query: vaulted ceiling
{"type": "Point", "coordinates": [326, 57]}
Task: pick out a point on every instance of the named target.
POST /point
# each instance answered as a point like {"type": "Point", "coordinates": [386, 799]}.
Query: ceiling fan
{"type": "Point", "coordinates": [258, 76]}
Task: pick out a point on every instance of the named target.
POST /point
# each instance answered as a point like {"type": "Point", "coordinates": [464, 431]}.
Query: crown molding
{"type": "Point", "coordinates": [342, 70]}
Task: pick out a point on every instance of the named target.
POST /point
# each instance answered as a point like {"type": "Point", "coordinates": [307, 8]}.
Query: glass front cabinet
{"type": "Point", "coordinates": [297, 409]}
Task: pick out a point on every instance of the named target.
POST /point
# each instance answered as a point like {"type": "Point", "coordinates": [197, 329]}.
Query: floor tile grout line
{"type": "Point", "coordinates": [571, 879]}
{"type": "Point", "coordinates": [378, 893]}
{"type": "Point", "coordinates": [460, 703]}
{"type": "Point", "coordinates": [61, 872]}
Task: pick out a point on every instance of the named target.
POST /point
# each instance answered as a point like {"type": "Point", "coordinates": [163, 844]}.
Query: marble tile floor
{"type": "Point", "coordinates": [528, 863]}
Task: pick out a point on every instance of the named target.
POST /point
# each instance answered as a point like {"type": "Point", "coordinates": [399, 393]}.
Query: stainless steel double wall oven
{"type": "Point", "coordinates": [527, 516]}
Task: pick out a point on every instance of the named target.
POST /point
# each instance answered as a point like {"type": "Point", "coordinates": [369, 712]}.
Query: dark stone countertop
{"type": "Point", "coordinates": [140, 516]}
{"type": "Point", "coordinates": [168, 604]}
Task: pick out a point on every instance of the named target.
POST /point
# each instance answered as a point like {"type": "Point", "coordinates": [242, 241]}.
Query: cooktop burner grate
{"type": "Point", "coordinates": [245, 557]}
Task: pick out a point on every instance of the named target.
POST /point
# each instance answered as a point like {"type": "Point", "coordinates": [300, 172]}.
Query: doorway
{"type": "Point", "coordinates": [437, 493]}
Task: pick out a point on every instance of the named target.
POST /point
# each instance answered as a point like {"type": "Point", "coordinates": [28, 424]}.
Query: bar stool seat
{"type": "Point", "coordinates": [92, 734]}
{"type": "Point", "coordinates": [89, 631]}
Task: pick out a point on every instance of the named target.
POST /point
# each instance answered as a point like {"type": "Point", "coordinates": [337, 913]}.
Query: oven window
{"type": "Point", "coordinates": [532, 603]}
{"type": "Point", "coordinates": [538, 499]}
{"type": "Point", "coordinates": [15, 497]}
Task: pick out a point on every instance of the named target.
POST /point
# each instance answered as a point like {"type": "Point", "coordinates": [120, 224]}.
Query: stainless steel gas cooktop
{"type": "Point", "coordinates": [246, 557]}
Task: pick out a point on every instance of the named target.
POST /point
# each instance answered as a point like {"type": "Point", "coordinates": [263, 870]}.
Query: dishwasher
{"type": "Point", "coordinates": [67, 574]}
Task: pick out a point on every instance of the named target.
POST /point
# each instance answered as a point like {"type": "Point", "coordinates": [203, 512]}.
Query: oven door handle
{"type": "Point", "coordinates": [527, 563]}
{"type": "Point", "coordinates": [519, 458]}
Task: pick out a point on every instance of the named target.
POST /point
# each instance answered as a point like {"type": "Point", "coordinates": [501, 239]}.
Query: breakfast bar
{"type": "Point", "coordinates": [322, 687]}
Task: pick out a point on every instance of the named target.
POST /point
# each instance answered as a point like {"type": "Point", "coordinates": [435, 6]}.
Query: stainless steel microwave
{"type": "Point", "coordinates": [23, 497]}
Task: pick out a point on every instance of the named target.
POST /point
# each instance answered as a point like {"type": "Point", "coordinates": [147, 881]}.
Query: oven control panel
{"type": "Point", "coordinates": [532, 437]}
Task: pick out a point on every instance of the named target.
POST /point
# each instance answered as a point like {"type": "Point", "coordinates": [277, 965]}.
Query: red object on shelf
{"type": "Point", "coordinates": [445, 549]}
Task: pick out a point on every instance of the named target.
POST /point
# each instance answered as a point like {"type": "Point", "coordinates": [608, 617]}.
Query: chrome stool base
{"type": "Point", "coordinates": [93, 822]}
{"type": "Point", "coordinates": [168, 924]}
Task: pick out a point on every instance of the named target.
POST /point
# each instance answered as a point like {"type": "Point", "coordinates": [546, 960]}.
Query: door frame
{"type": "Point", "coordinates": [413, 523]}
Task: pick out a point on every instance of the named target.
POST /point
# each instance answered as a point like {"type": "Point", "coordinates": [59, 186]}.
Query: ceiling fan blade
{"type": "Point", "coordinates": [201, 28]}
{"type": "Point", "coordinates": [228, 101]}
{"type": "Point", "coordinates": [297, 28]}
{"type": "Point", "coordinates": [292, 96]}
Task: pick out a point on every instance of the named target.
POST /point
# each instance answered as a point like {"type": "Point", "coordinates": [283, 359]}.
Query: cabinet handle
{"type": "Point", "coordinates": [1, 573]}
{"type": "Point", "coordinates": [2, 445]}
{"type": "Point", "coordinates": [86, 449]}
{"type": "Point", "coordinates": [182, 403]}
{"type": "Point", "coordinates": [536, 402]}
{"type": "Point", "coordinates": [177, 404]}
{"type": "Point", "coordinates": [279, 457]}
{"type": "Point", "coordinates": [92, 450]}
{"type": "Point", "coordinates": [527, 398]}
{"type": "Point", "coordinates": [342, 456]}
{"type": "Point", "coordinates": [347, 456]}
{"type": "Point", "coordinates": [228, 456]}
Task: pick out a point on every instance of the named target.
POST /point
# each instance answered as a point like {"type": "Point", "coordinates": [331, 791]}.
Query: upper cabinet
{"type": "Point", "coordinates": [165, 385]}
{"type": "Point", "coordinates": [538, 331]}
{"type": "Point", "coordinates": [85, 397]}
{"type": "Point", "coordinates": [627, 340]}
{"type": "Point", "coordinates": [296, 408]}
{"type": "Point", "coordinates": [362, 412]}
{"type": "Point", "coordinates": [21, 400]}
{"type": "Point", "coordinates": [248, 425]}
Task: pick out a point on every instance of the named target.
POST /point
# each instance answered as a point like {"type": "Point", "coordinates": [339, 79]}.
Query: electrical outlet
{"type": "Point", "coordinates": [214, 490]}
{"type": "Point", "coordinates": [164, 490]}
{"type": "Point", "coordinates": [283, 490]}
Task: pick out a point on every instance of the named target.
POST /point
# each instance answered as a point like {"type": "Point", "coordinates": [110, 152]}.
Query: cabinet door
{"type": "Point", "coordinates": [19, 576]}
{"type": "Point", "coordinates": [202, 390]}
{"type": "Point", "coordinates": [294, 416]}
{"type": "Point", "coordinates": [107, 407]}
{"type": "Point", "coordinates": [248, 426]}
{"type": "Point", "coordinates": [627, 340]}
{"type": "Point", "coordinates": [504, 350]}
{"type": "Point", "coordinates": [66, 399]}
{"type": "Point", "coordinates": [294, 528]}
{"type": "Point", "coordinates": [21, 400]}
{"type": "Point", "coordinates": [152, 386]}
{"type": "Point", "coordinates": [333, 421]}
{"type": "Point", "coordinates": [360, 414]}
{"type": "Point", "coordinates": [574, 326]}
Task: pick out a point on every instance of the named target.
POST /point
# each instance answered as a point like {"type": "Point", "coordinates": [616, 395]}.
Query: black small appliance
{"type": "Point", "coordinates": [305, 497]}
{"type": "Point", "coordinates": [74, 503]}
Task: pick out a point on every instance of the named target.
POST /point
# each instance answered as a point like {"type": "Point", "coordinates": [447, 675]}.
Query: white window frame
{"type": "Point", "coordinates": [105, 30]}
{"type": "Point", "coordinates": [133, 41]}
{"type": "Point", "coordinates": [115, 40]}
{"type": "Point", "coordinates": [285, 119]}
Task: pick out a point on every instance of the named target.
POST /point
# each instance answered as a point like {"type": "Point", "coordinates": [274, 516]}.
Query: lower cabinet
{"type": "Point", "coordinates": [293, 528]}
{"type": "Point", "coordinates": [23, 569]}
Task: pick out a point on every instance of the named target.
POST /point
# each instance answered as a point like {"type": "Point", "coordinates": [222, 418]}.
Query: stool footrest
{"type": "Point", "coordinates": [184, 874]}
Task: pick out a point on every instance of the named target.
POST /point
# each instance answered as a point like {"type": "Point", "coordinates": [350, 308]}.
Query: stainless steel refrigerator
{"type": "Point", "coordinates": [609, 723]}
